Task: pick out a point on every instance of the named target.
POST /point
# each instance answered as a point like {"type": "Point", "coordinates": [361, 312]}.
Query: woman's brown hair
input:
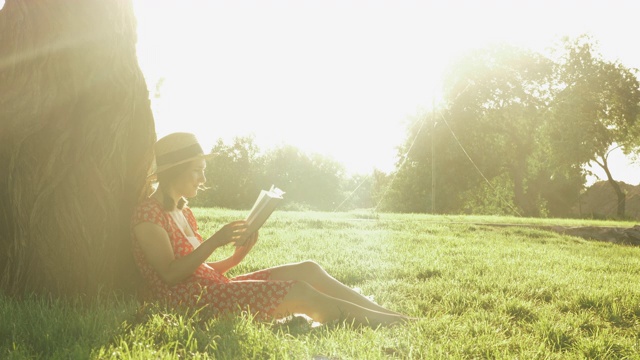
{"type": "Point", "coordinates": [168, 177]}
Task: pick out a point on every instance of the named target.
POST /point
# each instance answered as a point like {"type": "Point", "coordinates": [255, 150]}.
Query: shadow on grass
{"type": "Point", "coordinates": [41, 327]}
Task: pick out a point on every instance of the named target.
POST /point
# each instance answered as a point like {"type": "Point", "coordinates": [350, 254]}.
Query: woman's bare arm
{"type": "Point", "coordinates": [238, 255]}
{"type": "Point", "coordinates": [156, 246]}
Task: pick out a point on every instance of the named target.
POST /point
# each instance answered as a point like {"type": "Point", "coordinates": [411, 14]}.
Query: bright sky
{"type": "Point", "coordinates": [341, 77]}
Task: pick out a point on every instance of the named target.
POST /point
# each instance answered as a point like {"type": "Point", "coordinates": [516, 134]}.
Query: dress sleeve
{"type": "Point", "coordinates": [148, 211]}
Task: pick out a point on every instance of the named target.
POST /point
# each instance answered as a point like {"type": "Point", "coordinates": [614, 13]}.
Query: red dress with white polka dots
{"type": "Point", "coordinates": [206, 286]}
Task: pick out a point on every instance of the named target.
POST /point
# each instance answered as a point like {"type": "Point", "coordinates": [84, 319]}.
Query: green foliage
{"type": "Point", "coordinates": [231, 175]}
{"type": "Point", "coordinates": [407, 193]}
{"type": "Point", "coordinates": [481, 291]}
{"type": "Point", "coordinates": [511, 116]}
{"type": "Point", "coordinates": [314, 180]}
{"type": "Point", "coordinates": [358, 192]}
{"type": "Point", "coordinates": [488, 128]}
{"type": "Point", "coordinates": [595, 109]}
{"type": "Point", "coordinates": [596, 106]}
{"type": "Point", "coordinates": [429, 160]}
{"type": "Point", "coordinates": [495, 198]}
{"type": "Point", "coordinates": [237, 172]}
{"type": "Point", "coordinates": [497, 106]}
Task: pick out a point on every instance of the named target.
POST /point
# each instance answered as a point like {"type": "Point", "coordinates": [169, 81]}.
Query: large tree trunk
{"type": "Point", "coordinates": [76, 130]}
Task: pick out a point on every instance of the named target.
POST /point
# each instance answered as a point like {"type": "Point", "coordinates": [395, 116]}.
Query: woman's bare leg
{"type": "Point", "coordinates": [304, 298]}
{"type": "Point", "coordinates": [317, 277]}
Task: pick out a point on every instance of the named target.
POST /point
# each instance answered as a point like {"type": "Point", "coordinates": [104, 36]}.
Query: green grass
{"type": "Point", "coordinates": [481, 292]}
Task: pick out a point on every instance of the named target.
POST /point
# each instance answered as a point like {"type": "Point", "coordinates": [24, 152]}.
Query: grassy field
{"type": "Point", "coordinates": [481, 291]}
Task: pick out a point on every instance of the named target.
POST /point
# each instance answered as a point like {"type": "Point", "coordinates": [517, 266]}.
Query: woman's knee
{"type": "Point", "coordinates": [308, 271]}
{"type": "Point", "coordinates": [309, 268]}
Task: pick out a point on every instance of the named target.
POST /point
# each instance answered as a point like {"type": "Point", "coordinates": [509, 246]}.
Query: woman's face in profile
{"type": "Point", "coordinates": [188, 182]}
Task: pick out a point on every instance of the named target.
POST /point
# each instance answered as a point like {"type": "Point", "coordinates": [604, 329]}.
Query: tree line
{"type": "Point", "coordinates": [239, 171]}
{"type": "Point", "coordinates": [512, 135]}
{"type": "Point", "coordinates": [516, 131]}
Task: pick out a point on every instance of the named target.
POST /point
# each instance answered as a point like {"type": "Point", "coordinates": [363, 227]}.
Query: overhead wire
{"type": "Point", "coordinates": [478, 169]}
{"type": "Point", "coordinates": [406, 156]}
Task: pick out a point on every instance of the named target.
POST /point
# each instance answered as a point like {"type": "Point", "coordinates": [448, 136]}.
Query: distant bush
{"type": "Point", "coordinates": [296, 206]}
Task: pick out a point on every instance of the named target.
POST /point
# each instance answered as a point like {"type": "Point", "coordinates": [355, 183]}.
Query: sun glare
{"type": "Point", "coordinates": [333, 77]}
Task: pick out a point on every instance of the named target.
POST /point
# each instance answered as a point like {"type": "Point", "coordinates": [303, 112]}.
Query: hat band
{"type": "Point", "coordinates": [179, 155]}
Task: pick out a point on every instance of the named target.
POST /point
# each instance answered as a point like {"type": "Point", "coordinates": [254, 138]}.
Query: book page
{"type": "Point", "coordinates": [263, 207]}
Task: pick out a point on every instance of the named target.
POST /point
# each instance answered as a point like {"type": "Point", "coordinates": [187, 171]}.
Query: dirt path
{"type": "Point", "coordinates": [617, 235]}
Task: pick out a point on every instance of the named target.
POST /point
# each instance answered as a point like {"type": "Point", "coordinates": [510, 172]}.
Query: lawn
{"type": "Point", "coordinates": [480, 291]}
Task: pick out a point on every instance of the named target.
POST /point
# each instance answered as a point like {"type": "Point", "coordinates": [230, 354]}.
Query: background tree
{"type": "Point", "coordinates": [231, 175]}
{"type": "Point", "coordinates": [76, 134]}
{"type": "Point", "coordinates": [310, 181]}
{"type": "Point", "coordinates": [382, 193]}
{"type": "Point", "coordinates": [239, 171]}
{"type": "Point", "coordinates": [483, 138]}
{"type": "Point", "coordinates": [497, 101]}
{"type": "Point", "coordinates": [409, 187]}
{"type": "Point", "coordinates": [432, 170]}
{"type": "Point", "coordinates": [356, 192]}
{"type": "Point", "coordinates": [596, 109]}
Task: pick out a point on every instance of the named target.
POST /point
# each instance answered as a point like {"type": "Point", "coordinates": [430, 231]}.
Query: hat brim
{"type": "Point", "coordinates": [154, 174]}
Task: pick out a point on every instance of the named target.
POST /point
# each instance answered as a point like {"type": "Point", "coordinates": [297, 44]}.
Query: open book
{"type": "Point", "coordinates": [263, 207]}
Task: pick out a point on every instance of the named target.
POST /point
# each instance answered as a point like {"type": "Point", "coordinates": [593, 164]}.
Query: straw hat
{"type": "Point", "coordinates": [175, 149]}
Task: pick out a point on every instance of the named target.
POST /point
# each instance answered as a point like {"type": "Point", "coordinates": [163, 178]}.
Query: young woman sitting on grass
{"type": "Point", "coordinates": [172, 256]}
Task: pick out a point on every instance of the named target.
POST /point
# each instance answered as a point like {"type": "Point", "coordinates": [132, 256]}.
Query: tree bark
{"type": "Point", "coordinates": [76, 133]}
